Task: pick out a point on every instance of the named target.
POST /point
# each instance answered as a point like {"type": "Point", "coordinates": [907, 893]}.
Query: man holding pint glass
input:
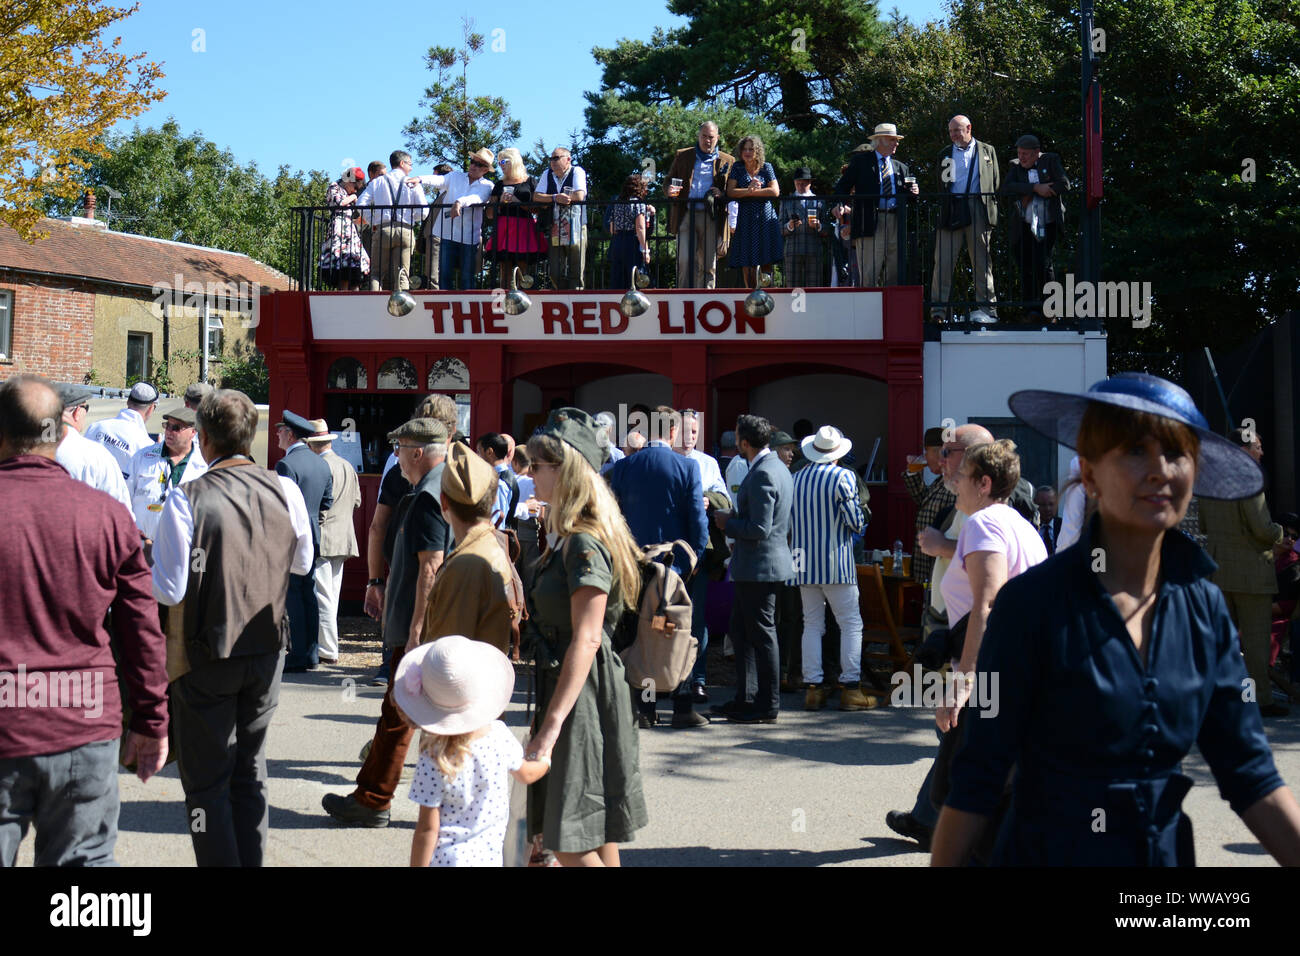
{"type": "Point", "coordinates": [696, 181]}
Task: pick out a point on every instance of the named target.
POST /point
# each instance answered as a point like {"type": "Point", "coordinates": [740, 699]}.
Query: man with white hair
{"type": "Point", "coordinates": [126, 434]}
{"type": "Point", "coordinates": [609, 423]}
{"type": "Point", "coordinates": [87, 461]}
{"type": "Point", "coordinates": [561, 185]}
{"type": "Point", "coordinates": [701, 171]}
{"type": "Point", "coordinates": [338, 538]}
{"type": "Point", "coordinates": [969, 174]}
{"type": "Point", "coordinates": [394, 235]}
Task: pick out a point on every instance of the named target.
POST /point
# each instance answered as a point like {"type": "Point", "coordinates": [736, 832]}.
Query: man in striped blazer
{"type": "Point", "coordinates": [825, 516]}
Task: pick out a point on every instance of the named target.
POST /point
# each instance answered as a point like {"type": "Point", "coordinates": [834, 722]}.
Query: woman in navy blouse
{"type": "Point", "coordinates": [1116, 655]}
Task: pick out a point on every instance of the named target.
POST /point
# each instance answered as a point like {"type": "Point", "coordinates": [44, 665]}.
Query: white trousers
{"type": "Point", "coordinates": [329, 582]}
{"type": "Point", "coordinates": [843, 599]}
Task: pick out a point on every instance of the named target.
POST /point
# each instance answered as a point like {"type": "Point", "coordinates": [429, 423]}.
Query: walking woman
{"type": "Point", "coordinates": [591, 801]}
{"type": "Point", "coordinates": [1117, 655]}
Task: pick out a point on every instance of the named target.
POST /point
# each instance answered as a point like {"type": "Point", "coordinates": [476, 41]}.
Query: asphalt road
{"type": "Point", "coordinates": [810, 790]}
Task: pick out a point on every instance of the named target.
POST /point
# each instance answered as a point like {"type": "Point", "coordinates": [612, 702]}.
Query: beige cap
{"type": "Point", "coordinates": [425, 431]}
{"type": "Point", "coordinates": [323, 432]}
{"type": "Point", "coordinates": [466, 477]}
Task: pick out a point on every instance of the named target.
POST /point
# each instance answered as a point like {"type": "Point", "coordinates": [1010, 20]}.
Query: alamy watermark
{"type": "Point", "coordinates": [242, 297]}
{"type": "Point", "coordinates": [64, 690]}
{"type": "Point", "coordinates": [933, 689]}
{"type": "Point", "coordinates": [1098, 300]}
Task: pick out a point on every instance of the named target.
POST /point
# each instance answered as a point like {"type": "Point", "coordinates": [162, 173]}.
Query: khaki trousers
{"type": "Point", "coordinates": [948, 244]}
{"type": "Point", "coordinates": [1252, 613]}
{"type": "Point", "coordinates": [391, 257]}
{"type": "Point", "coordinates": [697, 250]}
{"type": "Point", "coordinates": [878, 254]}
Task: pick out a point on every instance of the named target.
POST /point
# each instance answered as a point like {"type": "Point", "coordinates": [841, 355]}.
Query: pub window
{"type": "Point", "coordinates": [347, 373]}
{"type": "Point", "coordinates": [397, 373]}
{"type": "Point", "coordinates": [6, 325]}
{"type": "Point", "coordinates": [139, 348]}
{"type": "Point", "coordinates": [448, 373]}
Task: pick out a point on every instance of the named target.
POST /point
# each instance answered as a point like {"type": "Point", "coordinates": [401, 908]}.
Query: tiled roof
{"type": "Point", "coordinates": [79, 249]}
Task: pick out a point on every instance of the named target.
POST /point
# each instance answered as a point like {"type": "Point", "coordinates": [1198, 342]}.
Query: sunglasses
{"type": "Point", "coordinates": [556, 159]}
{"type": "Point", "coordinates": [951, 452]}
{"type": "Point", "coordinates": [175, 427]}
{"type": "Point", "coordinates": [480, 164]}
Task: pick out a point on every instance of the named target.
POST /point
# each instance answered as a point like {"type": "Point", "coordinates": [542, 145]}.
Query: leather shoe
{"type": "Point", "coordinates": [348, 812]}
{"type": "Point", "coordinates": [904, 824]}
{"type": "Point", "coordinates": [685, 719]}
{"type": "Point", "coordinates": [815, 697]}
{"type": "Point", "coordinates": [699, 694]}
{"type": "Point", "coordinates": [752, 715]}
{"type": "Point", "coordinates": [329, 660]}
{"type": "Point", "coordinates": [300, 668]}
{"type": "Point", "coordinates": [856, 697]}
{"type": "Point", "coordinates": [727, 709]}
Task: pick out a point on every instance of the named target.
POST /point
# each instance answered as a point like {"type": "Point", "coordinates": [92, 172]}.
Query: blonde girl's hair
{"type": "Point", "coordinates": [516, 160]}
{"type": "Point", "coordinates": [760, 154]}
{"type": "Point", "coordinates": [448, 753]}
{"type": "Point", "coordinates": [582, 502]}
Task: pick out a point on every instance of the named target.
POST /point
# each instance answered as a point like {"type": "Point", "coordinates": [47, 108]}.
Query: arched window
{"type": "Point", "coordinates": [448, 373]}
{"type": "Point", "coordinates": [397, 373]}
{"type": "Point", "coordinates": [347, 373]}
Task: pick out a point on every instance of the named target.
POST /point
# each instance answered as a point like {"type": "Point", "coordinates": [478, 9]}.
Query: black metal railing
{"type": "Point", "coordinates": [993, 281]}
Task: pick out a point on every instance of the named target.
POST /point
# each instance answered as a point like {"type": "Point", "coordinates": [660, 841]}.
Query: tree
{"type": "Point", "coordinates": [779, 61]}
{"type": "Point", "coordinates": [457, 124]}
{"type": "Point", "coordinates": [59, 85]}
{"type": "Point", "coordinates": [187, 189]}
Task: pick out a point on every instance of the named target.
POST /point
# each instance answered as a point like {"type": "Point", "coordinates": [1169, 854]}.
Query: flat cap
{"type": "Point", "coordinates": [1028, 141]}
{"type": "Point", "coordinates": [467, 478]}
{"type": "Point", "coordinates": [423, 431]}
{"type": "Point", "coordinates": [780, 438]}
{"type": "Point", "coordinates": [197, 392]}
{"type": "Point", "coordinates": [184, 415]}
{"type": "Point", "coordinates": [579, 431]}
{"type": "Point", "coordinates": [71, 395]}
{"type": "Point", "coordinates": [143, 393]}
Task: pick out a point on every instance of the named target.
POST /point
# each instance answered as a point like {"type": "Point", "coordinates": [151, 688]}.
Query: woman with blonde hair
{"type": "Point", "coordinates": [592, 799]}
{"type": "Point", "coordinates": [757, 241]}
{"type": "Point", "coordinates": [518, 239]}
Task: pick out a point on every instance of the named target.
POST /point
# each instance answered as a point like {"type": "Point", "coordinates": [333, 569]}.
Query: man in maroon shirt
{"type": "Point", "coordinates": [71, 554]}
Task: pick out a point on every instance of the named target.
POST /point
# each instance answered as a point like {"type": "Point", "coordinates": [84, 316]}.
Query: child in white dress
{"type": "Point", "coordinates": [453, 689]}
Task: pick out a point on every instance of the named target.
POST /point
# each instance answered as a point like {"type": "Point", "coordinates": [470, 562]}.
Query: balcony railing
{"type": "Point", "coordinates": [831, 260]}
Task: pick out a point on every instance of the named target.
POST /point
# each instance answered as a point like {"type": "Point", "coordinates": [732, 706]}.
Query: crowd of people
{"type": "Point", "coordinates": [726, 212]}
{"type": "Point", "coordinates": [1116, 641]}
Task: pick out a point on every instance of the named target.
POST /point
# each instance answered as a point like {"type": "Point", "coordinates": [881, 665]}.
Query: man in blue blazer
{"type": "Point", "coordinates": [880, 191]}
{"type": "Point", "coordinates": [662, 499]}
{"type": "Point", "coordinates": [760, 562]}
{"type": "Point", "coordinates": [314, 479]}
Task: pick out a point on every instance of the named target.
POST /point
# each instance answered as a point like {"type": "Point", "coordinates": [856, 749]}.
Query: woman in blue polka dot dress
{"type": "Point", "coordinates": [453, 689]}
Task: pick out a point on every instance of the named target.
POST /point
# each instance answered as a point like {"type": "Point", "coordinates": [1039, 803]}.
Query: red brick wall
{"type": "Point", "coordinates": [53, 331]}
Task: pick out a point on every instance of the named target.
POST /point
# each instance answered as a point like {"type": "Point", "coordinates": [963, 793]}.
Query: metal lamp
{"type": "Point", "coordinates": [759, 303]}
{"type": "Point", "coordinates": [634, 301]}
{"type": "Point", "coordinates": [516, 302]}
{"type": "Point", "coordinates": [401, 302]}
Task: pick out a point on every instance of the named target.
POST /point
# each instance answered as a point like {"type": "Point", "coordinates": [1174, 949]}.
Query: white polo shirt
{"type": "Point", "coordinates": [91, 463]}
{"type": "Point", "coordinates": [122, 436]}
{"type": "Point", "coordinates": [150, 483]}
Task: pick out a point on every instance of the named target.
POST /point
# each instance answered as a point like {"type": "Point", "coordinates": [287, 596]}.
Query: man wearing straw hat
{"type": "Point", "coordinates": [338, 538]}
{"type": "Point", "coordinates": [879, 183]}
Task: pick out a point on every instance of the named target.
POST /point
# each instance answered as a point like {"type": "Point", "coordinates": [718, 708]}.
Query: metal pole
{"type": "Point", "coordinates": [1089, 219]}
{"type": "Point", "coordinates": [203, 332]}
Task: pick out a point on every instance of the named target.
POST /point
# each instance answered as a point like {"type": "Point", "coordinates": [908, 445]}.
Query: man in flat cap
{"type": "Point", "coordinates": [87, 461]}
{"type": "Point", "coordinates": [421, 540]}
{"type": "Point", "coordinates": [1037, 181]}
{"type": "Point", "coordinates": [158, 470]}
{"type": "Point", "coordinates": [312, 476]}
{"type": "Point", "coordinates": [194, 394]}
{"type": "Point", "coordinates": [126, 434]}
{"type": "Point", "coordinates": [338, 538]}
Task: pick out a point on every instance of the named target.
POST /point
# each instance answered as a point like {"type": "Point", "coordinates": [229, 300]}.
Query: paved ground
{"type": "Point", "coordinates": [811, 790]}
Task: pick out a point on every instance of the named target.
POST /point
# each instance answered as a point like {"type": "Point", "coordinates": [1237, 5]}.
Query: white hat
{"type": "Point", "coordinates": [884, 129]}
{"type": "Point", "coordinates": [453, 685]}
{"type": "Point", "coordinates": [828, 444]}
{"type": "Point", "coordinates": [322, 432]}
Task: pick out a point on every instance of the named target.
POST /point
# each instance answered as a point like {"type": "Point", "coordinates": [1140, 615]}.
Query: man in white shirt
{"type": "Point", "coordinates": [158, 470]}
{"type": "Point", "coordinates": [394, 237]}
{"type": "Point", "coordinates": [494, 449]}
{"type": "Point", "coordinates": [561, 185]}
{"type": "Point", "coordinates": [126, 434]}
{"type": "Point", "coordinates": [968, 168]}
{"type": "Point", "coordinates": [84, 460]}
{"type": "Point", "coordinates": [459, 227]}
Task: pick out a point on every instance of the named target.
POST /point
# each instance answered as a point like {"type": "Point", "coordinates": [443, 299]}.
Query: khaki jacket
{"type": "Point", "coordinates": [471, 593]}
{"type": "Point", "coordinates": [1240, 537]}
{"type": "Point", "coordinates": [338, 537]}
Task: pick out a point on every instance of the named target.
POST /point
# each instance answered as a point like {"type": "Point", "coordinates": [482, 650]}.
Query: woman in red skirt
{"type": "Point", "coordinates": [517, 240]}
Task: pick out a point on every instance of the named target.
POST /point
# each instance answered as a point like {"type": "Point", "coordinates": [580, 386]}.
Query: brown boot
{"type": "Point", "coordinates": [857, 697]}
{"type": "Point", "coordinates": [816, 696]}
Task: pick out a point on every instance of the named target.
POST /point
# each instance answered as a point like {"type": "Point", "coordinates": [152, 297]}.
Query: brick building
{"type": "Point", "coordinates": [91, 302]}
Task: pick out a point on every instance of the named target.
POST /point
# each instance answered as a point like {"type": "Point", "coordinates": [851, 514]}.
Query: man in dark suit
{"type": "Point", "coordinates": [662, 498]}
{"type": "Point", "coordinates": [879, 179]}
{"type": "Point", "coordinates": [305, 469]}
{"type": "Point", "coordinates": [1038, 183]}
{"type": "Point", "coordinates": [760, 563]}
{"type": "Point", "coordinates": [969, 172]}
{"type": "Point", "coordinates": [1050, 527]}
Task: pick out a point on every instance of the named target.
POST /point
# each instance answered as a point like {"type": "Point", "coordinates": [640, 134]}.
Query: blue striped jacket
{"type": "Point", "coordinates": [825, 516]}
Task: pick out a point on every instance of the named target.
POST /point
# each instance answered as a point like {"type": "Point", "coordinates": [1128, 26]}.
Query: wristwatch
{"type": "Point", "coordinates": [375, 583]}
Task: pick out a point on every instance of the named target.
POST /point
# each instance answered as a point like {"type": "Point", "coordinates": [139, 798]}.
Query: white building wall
{"type": "Point", "coordinates": [971, 375]}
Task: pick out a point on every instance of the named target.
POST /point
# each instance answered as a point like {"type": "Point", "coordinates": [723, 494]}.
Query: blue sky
{"type": "Point", "coordinates": [317, 87]}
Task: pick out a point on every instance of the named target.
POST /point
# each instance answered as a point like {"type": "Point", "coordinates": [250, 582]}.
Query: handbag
{"type": "Point", "coordinates": [955, 213]}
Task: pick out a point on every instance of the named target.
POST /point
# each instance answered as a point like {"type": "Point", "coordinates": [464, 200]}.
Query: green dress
{"type": "Point", "coordinates": [592, 794]}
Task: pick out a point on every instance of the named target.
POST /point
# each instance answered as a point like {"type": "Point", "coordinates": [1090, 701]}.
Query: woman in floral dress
{"type": "Point", "coordinates": [757, 241]}
{"type": "Point", "coordinates": [344, 262]}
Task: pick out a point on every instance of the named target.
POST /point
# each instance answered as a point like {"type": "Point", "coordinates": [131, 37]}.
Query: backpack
{"type": "Point", "coordinates": [515, 592]}
{"type": "Point", "coordinates": [654, 638]}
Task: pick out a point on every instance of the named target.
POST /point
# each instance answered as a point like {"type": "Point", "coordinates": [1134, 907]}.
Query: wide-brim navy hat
{"type": "Point", "coordinates": [1223, 470]}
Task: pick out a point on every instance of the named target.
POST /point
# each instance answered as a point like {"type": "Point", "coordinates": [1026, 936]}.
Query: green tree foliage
{"type": "Point", "coordinates": [187, 189]}
{"type": "Point", "coordinates": [456, 124]}
{"type": "Point", "coordinates": [59, 83]}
